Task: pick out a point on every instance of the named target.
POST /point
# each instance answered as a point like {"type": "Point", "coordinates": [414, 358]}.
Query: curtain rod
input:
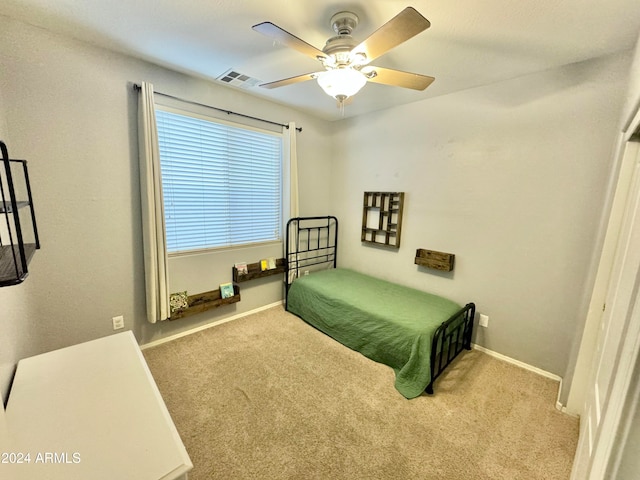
{"type": "Point", "coordinates": [228, 112]}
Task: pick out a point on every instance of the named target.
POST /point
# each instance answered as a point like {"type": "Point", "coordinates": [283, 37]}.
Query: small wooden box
{"type": "Point", "coordinates": [437, 260]}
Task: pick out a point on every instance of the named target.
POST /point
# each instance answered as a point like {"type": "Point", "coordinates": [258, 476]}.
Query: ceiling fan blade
{"type": "Point", "coordinates": [399, 29]}
{"type": "Point", "coordinates": [397, 78]}
{"type": "Point", "coordinates": [290, 80]}
{"type": "Point", "coordinates": [286, 38]}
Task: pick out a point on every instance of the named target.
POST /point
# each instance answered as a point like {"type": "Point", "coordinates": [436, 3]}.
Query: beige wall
{"type": "Point", "coordinates": [15, 310]}
{"type": "Point", "coordinates": [510, 178]}
{"type": "Point", "coordinates": [6, 350]}
{"type": "Point", "coordinates": [71, 112]}
{"type": "Point", "coordinates": [632, 102]}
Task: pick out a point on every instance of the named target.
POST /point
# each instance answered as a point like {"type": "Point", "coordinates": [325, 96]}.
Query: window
{"type": "Point", "coordinates": [222, 183]}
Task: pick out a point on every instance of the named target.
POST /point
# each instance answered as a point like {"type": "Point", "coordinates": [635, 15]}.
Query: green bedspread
{"type": "Point", "coordinates": [386, 322]}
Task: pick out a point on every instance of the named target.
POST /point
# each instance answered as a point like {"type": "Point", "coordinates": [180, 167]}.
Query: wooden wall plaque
{"type": "Point", "coordinates": [382, 218]}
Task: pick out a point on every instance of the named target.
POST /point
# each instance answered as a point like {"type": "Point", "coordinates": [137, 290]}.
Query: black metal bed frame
{"type": "Point", "coordinates": [313, 242]}
{"type": "Point", "coordinates": [316, 243]}
{"type": "Point", "coordinates": [451, 337]}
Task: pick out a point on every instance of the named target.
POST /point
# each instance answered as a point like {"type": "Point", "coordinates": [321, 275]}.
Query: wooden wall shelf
{"type": "Point", "coordinates": [254, 271]}
{"type": "Point", "coordinates": [432, 259]}
{"type": "Point", "coordinates": [202, 302]}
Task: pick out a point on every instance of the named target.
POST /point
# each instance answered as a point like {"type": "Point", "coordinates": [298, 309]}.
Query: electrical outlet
{"type": "Point", "coordinates": [484, 320]}
{"type": "Point", "coordinates": [118, 322]}
{"type": "Point", "coordinates": [306, 272]}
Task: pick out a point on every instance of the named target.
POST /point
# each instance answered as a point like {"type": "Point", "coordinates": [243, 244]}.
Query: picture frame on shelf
{"type": "Point", "coordinates": [178, 301]}
{"type": "Point", "coordinates": [242, 268]}
{"type": "Point", "coordinates": [226, 290]}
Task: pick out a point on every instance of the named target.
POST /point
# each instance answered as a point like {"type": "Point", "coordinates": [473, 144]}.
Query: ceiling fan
{"type": "Point", "coordinates": [346, 63]}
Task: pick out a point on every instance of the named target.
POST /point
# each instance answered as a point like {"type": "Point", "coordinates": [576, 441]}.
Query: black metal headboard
{"type": "Point", "coordinates": [311, 243]}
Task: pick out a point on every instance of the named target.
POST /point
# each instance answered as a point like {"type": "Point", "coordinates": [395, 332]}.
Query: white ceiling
{"type": "Point", "coordinates": [470, 42]}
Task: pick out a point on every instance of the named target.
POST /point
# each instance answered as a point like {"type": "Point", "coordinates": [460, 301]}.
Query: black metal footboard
{"type": "Point", "coordinates": [450, 339]}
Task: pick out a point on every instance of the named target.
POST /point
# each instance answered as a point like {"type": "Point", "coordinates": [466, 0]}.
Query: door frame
{"type": "Point", "coordinates": [600, 457]}
{"type": "Point", "coordinates": [613, 420]}
{"type": "Point", "coordinates": [626, 154]}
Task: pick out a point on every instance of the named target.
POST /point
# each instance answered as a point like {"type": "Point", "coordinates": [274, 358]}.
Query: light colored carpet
{"type": "Point", "coordinates": [269, 397]}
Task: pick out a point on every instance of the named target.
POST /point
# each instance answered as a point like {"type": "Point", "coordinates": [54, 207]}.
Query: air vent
{"type": "Point", "coordinates": [237, 79]}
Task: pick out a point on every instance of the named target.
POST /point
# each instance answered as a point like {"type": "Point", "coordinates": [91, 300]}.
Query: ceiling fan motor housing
{"type": "Point", "coordinates": [343, 23]}
{"type": "Point", "coordinates": [346, 63]}
{"type": "Point", "coordinates": [339, 47]}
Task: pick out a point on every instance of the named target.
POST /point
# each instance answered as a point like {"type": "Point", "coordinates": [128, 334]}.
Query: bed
{"type": "Point", "coordinates": [416, 333]}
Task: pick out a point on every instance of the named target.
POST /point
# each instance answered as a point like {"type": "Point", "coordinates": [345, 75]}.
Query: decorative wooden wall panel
{"type": "Point", "coordinates": [382, 218]}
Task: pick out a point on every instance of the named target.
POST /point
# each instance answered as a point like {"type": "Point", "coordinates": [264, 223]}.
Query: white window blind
{"type": "Point", "coordinates": [222, 184]}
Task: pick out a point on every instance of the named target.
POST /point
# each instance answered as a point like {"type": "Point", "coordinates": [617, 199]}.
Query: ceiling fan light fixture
{"type": "Point", "coordinates": [341, 82]}
{"type": "Point", "coordinates": [347, 63]}
{"type": "Point", "coordinates": [358, 58]}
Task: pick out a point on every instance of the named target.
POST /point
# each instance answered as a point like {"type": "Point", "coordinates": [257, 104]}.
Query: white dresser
{"type": "Point", "coordinates": [92, 411]}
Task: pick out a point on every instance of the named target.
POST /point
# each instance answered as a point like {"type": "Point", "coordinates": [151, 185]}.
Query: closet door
{"type": "Point", "coordinates": [618, 344]}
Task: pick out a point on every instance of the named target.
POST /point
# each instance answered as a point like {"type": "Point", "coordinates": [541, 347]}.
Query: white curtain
{"type": "Point", "coordinates": [153, 231]}
{"type": "Point", "coordinates": [291, 207]}
{"type": "Point", "coordinates": [291, 167]}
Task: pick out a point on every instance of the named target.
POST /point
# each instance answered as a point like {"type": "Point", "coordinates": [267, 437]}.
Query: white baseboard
{"type": "Point", "coordinates": [208, 325]}
{"type": "Point", "coordinates": [526, 366]}
{"type": "Point", "coordinates": [480, 348]}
